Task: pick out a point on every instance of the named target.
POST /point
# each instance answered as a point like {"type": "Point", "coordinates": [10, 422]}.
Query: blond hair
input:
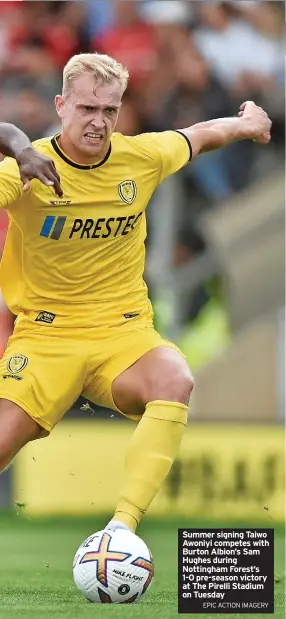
{"type": "Point", "coordinates": [103, 67]}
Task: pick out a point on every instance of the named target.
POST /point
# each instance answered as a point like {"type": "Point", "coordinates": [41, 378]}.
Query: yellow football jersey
{"type": "Point", "coordinates": [79, 260]}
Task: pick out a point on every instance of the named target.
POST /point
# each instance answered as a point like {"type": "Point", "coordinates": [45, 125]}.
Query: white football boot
{"type": "Point", "coordinates": [116, 524]}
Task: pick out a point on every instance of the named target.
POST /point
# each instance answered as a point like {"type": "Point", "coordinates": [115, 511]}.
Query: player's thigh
{"type": "Point", "coordinates": [114, 387]}
{"type": "Point", "coordinates": [16, 430]}
{"type": "Point", "coordinates": [42, 374]}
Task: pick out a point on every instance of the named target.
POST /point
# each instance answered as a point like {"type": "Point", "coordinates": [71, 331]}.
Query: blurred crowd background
{"type": "Point", "coordinates": [189, 62]}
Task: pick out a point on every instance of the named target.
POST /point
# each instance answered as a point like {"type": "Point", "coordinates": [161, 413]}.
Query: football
{"type": "Point", "coordinates": [113, 567]}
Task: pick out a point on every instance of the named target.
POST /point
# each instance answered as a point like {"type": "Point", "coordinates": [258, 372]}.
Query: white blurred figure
{"type": "Point", "coordinates": [233, 40]}
{"type": "Point", "coordinates": [179, 12]}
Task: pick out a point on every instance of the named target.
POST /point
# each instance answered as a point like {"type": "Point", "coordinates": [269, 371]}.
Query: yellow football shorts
{"type": "Point", "coordinates": [44, 370]}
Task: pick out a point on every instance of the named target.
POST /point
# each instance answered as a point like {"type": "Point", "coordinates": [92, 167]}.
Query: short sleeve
{"type": "Point", "coordinates": [171, 150]}
{"type": "Point", "coordinates": [11, 186]}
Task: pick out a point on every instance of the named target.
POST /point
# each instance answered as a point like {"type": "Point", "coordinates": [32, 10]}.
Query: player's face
{"type": "Point", "coordinates": [89, 114]}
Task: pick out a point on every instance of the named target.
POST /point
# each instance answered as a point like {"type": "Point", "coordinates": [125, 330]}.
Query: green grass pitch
{"type": "Point", "coordinates": [36, 579]}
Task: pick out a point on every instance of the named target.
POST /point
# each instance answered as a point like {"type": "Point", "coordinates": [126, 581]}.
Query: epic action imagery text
{"type": "Point", "coordinates": [226, 571]}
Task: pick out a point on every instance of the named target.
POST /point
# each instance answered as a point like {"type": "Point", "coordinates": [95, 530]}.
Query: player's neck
{"type": "Point", "coordinates": [76, 155]}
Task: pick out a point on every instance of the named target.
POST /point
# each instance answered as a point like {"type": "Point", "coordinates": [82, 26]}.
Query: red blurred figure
{"type": "Point", "coordinates": [6, 318]}
{"type": "Point", "coordinates": [41, 26]}
{"type": "Point", "coordinates": [131, 41]}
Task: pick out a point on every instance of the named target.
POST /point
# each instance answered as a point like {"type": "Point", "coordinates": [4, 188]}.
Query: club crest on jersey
{"type": "Point", "coordinates": [127, 191]}
{"type": "Point", "coordinates": [17, 363]}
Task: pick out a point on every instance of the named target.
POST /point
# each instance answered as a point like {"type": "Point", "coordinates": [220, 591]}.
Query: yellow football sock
{"type": "Point", "coordinates": [151, 453]}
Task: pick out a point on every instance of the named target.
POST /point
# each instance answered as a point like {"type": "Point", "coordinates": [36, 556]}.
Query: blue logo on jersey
{"type": "Point", "coordinates": [53, 227]}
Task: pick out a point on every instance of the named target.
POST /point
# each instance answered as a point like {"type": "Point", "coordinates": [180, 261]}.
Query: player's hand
{"type": "Point", "coordinates": [34, 165]}
{"type": "Point", "coordinates": [257, 123]}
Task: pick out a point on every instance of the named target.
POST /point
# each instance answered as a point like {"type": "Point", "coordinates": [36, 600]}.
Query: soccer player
{"type": "Point", "coordinates": [72, 272]}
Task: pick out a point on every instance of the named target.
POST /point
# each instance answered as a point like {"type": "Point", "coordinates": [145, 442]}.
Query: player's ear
{"type": "Point", "coordinates": [59, 103]}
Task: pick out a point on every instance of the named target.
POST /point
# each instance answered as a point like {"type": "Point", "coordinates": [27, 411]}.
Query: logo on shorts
{"type": "Point", "coordinates": [46, 317]}
{"type": "Point", "coordinates": [17, 363]}
{"type": "Point", "coordinates": [127, 191]}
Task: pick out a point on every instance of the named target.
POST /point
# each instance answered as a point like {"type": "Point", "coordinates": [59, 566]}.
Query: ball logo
{"type": "Point", "coordinates": [17, 363]}
{"type": "Point", "coordinates": [127, 191]}
{"type": "Point", "coordinates": [123, 589]}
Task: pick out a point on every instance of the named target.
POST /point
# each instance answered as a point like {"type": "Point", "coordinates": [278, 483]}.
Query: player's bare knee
{"type": "Point", "coordinates": [179, 387]}
{"type": "Point", "coordinates": [185, 387]}
{"type": "Point", "coordinates": [175, 385]}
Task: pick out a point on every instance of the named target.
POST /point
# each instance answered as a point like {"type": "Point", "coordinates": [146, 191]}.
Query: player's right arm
{"type": "Point", "coordinates": [16, 144]}
{"type": "Point", "coordinates": [252, 123]}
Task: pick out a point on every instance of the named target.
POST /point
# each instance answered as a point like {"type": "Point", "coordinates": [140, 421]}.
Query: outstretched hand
{"type": "Point", "coordinates": [258, 122]}
{"type": "Point", "coordinates": [34, 165]}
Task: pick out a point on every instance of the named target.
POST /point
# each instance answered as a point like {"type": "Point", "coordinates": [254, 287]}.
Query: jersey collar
{"type": "Point", "coordinates": [56, 147]}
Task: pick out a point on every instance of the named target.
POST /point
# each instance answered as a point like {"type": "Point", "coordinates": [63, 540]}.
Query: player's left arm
{"type": "Point", "coordinates": [252, 123]}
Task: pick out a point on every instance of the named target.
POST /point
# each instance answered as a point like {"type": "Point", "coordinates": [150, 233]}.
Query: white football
{"type": "Point", "coordinates": [113, 567]}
